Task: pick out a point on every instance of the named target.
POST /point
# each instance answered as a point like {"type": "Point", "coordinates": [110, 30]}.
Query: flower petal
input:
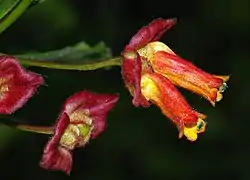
{"type": "Point", "coordinates": [188, 76]}
{"type": "Point", "coordinates": [57, 159]}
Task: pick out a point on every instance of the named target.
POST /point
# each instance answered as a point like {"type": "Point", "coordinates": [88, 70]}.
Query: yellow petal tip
{"type": "Point", "coordinates": [219, 97]}
{"type": "Point", "coordinates": [192, 132]}
{"type": "Point", "coordinates": [224, 78]}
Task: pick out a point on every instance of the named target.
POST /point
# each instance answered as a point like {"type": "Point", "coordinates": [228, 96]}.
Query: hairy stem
{"type": "Point", "coordinates": [82, 67]}
{"type": "Point", "coordinates": [16, 123]}
{"type": "Point", "coordinates": [33, 129]}
{"type": "Point", "coordinates": [36, 129]}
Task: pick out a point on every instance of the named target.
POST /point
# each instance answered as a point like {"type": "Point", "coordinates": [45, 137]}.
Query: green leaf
{"type": "Point", "coordinates": [78, 57]}
{"type": "Point", "coordinates": [72, 54]}
{"type": "Point", "coordinates": [6, 6]}
{"type": "Point", "coordinates": [10, 10]}
{"type": "Point", "coordinates": [35, 2]}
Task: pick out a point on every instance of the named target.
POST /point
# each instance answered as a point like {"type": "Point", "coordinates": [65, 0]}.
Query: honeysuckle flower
{"type": "Point", "coordinates": [17, 85]}
{"type": "Point", "coordinates": [83, 117]}
{"type": "Point", "coordinates": [159, 90]}
{"type": "Point", "coordinates": [183, 73]}
{"type": "Point", "coordinates": [144, 48]}
{"type": "Point", "coordinates": [148, 69]}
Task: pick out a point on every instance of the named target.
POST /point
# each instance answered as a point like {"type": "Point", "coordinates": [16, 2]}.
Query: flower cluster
{"type": "Point", "coordinates": [151, 70]}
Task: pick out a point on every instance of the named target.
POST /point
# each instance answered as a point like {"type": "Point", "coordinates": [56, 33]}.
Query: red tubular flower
{"type": "Point", "coordinates": [17, 85]}
{"type": "Point", "coordinates": [144, 47]}
{"type": "Point", "coordinates": [183, 73]}
{"type": "Point", "coordinates": [159, 90]}
{"type": "Point", "coordinates": [147, 60]}
{"type": "Point", "coordinates": [83, 117]}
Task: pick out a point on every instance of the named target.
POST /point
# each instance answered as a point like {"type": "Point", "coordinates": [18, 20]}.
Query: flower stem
{"type": "Point", "coordinates": [36, 129]}
{"type": "Point", "coordinates": [15, 123]}
{"type": "Point", "coordinates": [14, 14]}
{"type": "Point", "coordinates": [29, 128]}
{"type": "Point", "coordinates": [82, 67]}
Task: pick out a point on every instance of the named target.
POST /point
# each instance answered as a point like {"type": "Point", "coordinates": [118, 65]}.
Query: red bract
{"type": "Point", "coordinates": [17, 85]}
{"type": "Point", "coordinates": [152, 32]}
{"type": "Point", "coordinates": [132, 65]}
{"type": "Point", "coordinates": [83, 117]}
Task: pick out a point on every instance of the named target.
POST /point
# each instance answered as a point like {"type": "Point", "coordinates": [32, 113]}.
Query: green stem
{"type": "Point", "coordinates": [82, 67]}
{"type": "Point", "coordinates": [14, 14]}
{"type": "Point", "coordinates": [15, 123]}
{"type": "Point", "coordinates": [36, 129]}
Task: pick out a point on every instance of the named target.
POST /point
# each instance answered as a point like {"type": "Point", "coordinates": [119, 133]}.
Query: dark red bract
{"type": "Point", "coordinates": [83, 117]}
{"type": "Point", "coordinates": [152, 32]}
{"type": "Point", "coordinates": [132, 67]}
{"type": "Point", "coordinates": [17, 85]}
{"type": "Point", "coordinates": [54, 156]}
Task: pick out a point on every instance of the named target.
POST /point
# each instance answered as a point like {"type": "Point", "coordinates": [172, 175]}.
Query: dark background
{"type": "Point", "coordinates": [138, 143]}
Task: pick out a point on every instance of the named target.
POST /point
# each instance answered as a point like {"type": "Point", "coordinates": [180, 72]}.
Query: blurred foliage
{"type": "Point", "coordinates": [7, 7]}
{"type": "Point", "coordinates": [78, 57]}
{"type": "Point", "coordinates": [71, 54]}
{"type": "Point", "coordinates": [138, 143]}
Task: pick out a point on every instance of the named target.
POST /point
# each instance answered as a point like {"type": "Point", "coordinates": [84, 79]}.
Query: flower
{"type": "Point", "coordinates": [183, 73]}
{"type": "Point", "coordinates": [83, 117]}
{"type": "Point", "coordinates": [17, 85]}
{"type": "Point", "coordinates": [150, 70]}
{"type": "Point", "coordinates": [159, 90]}
{"type": "Point", "coordinates": [144, 48]}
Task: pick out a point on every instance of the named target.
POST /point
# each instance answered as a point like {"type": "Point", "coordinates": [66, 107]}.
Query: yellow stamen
{"type": "Point", "coordinates": [3, 89]}
{"type": "Point", "coordinates": [80, 116]}
{"type": "Point", "coordinates": [223, 87]}
{"type": "Point", "coordinates": [69, 137]}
